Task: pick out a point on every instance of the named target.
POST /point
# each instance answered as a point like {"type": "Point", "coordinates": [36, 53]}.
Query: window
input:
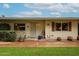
{"type": "Point", "coordinates": [19, 26]}
{"type": "Point", "coordinates": [61, 26]}
{"type": "Point", "coordinates": [4, 26]}
{"type": "Point", "coordinates": [58, 26]}
{"type": "Point", "coordinates": [65, 27]}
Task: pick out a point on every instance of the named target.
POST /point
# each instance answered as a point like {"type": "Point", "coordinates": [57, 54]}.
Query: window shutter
{"type": "Point", "coordinates": [70, 26]}
{"type": "Point", "coordinates": [53, 26]}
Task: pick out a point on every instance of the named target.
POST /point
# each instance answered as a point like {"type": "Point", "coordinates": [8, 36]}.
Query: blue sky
{"type": "Point", "coordinates": [39, 9]}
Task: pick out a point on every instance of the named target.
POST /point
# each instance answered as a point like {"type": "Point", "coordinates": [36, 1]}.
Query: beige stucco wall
{"type": "Point", "coordinates": [43, 25]}
{"type": "Point", "coordinates": [27, 32]}
{"type": "Point", "coordinates": [63, 34]}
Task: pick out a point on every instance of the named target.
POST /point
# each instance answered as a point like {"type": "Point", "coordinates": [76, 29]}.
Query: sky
{"type": "Point", "coordinates": [39, 9]}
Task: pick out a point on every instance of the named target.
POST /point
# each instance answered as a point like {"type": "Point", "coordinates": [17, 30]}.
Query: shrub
{"type": "Point", "coordinates": [7, 36]}
{"type": "Point", "coordinates": [58, 38]}
{"type": "Point", "coordinates": [69, 38]}
{"type": "Point", "coordinates": [1, 36]}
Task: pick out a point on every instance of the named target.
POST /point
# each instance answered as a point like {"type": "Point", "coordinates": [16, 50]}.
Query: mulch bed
{"type": "Point", "coordinates": [33, 43]}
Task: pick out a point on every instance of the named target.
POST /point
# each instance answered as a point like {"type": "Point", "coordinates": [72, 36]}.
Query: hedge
{"type": "Point", "coordinates": [7, 36]}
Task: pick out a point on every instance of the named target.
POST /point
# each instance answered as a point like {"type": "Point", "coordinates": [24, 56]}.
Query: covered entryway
{"type": "Point", "coordinates": [33, 30]}
{"type": "Point", "coordinates": [37, 28]}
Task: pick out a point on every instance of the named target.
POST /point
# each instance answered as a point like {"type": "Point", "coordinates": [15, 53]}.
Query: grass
{"type": "Point", "coordinates": [53, 51]}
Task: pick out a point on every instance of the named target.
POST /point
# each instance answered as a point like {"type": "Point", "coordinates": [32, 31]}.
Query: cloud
{"type": "Point", "coordinates": [56, 14]}
{"type": "Point", "coordinates": [33, 13]}
{"type": "Point", "coordinates": [40, 6]}
{"type": "Point", "coordinates": [55, 7]}
{"type": "Point", "coordinates": [46, 9]}
{"type": "Point", "coordinates": [6, 6]}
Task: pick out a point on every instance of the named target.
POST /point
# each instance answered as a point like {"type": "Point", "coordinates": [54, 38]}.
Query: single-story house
{"type": "Point", "coordinates": [49, 28]}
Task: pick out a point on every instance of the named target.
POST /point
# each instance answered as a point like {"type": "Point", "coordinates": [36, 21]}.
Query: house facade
{"type": "Point", "coordinates": [49, 28]}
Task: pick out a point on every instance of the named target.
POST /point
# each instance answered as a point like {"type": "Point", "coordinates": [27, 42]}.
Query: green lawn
{"type": "Point", "coordinates": [54, 51]}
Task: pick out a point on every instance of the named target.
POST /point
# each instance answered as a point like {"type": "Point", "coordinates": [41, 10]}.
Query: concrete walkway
{"type": "Point", "coordinates": [32, 43]}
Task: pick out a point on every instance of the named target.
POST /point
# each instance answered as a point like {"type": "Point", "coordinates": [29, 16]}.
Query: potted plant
{"type": "Point", "coordinates": [69, 38]}
{"type": "Point", "coordinates": [24, 38]}
{"type": "Point", "coordinates": [58, 38]}
{"type": "Point", "coordinates": [20, 39]}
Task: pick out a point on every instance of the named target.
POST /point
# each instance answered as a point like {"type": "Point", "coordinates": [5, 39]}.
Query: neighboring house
{"type": "Point", "coordinates": [50, 28]}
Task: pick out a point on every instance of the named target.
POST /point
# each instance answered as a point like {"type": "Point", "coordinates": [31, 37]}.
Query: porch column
{"type": "Point", "coordinates": [12, 26]}
{"type": "Point", "coordinates": [47, 29]}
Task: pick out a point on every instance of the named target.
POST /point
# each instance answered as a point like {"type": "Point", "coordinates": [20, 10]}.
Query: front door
{"type": "Point", "coordinates": [33, 30]}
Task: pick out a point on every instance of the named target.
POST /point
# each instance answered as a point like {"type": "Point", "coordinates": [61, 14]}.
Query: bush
{"type": "Point", "coordinates": [2, 35]}
{"type": "Point", "coordinates": [58, 38]}
{"type": "Point", "coordinates": [69, 38]}
{"type": "Point", "coordinates": [7, 36]}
